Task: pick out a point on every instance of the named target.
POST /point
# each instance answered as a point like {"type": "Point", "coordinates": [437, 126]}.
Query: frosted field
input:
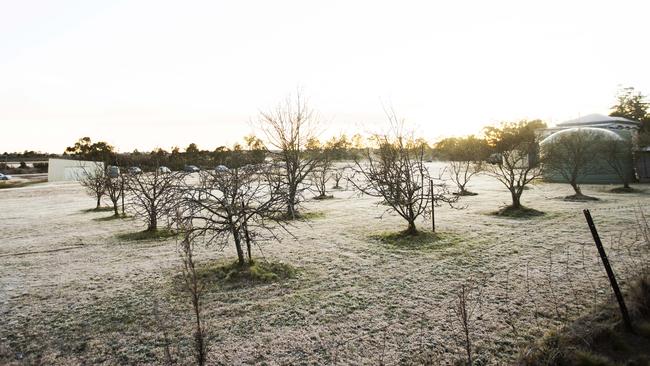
{"type": "Point", "coordinates": [72, 293]}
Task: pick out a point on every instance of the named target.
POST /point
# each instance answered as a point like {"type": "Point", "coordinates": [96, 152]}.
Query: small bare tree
{"type": "Point", "coordinates": [288, 129]}
{"type": "Point", "coordinates": [154, 195]}
{"type": "Point", "coordinates": [93, 180]}
{"type": "Point", "coordinates": [322, 174]}
{"type": "Point", "coordinates": [338, 173]}
{"type": "Point", "coordinates": [237, 205]}
{"type": "Point", "coordinates": [515, 146]}
{"type": "Point", "coordinates": [571, 155]}
{"type": "Point", "coordinates": [466, 156]}
{"type": "Point", "coordinates": [194, 287]}
{"type": "Point", "coordinates": [397, 173]}
{"type": "Point", "coordinates": [114, 190]}
{"type": "Point", "coordinates": [465, 310]}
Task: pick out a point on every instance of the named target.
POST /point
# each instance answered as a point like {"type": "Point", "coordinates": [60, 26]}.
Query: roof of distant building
{"type": "Point", "coordinates": [597, 119]}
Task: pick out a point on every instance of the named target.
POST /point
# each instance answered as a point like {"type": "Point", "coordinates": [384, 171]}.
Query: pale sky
{"type": "Point", "coordinates": [145, 74]}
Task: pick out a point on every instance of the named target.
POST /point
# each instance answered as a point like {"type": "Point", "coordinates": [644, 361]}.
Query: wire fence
{"type": "Point", "coordinates": [510, 306]}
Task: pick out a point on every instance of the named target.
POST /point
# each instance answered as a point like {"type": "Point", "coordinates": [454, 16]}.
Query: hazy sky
{"type": "Point", "coordinates": [144, 74]}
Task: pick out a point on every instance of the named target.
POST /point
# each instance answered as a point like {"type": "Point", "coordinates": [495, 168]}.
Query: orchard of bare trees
{"type": "Point", "coordinates": [257, 194]}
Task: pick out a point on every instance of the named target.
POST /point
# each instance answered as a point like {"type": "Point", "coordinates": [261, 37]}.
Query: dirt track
{"type": "Point", "coordinates": [71, 292]}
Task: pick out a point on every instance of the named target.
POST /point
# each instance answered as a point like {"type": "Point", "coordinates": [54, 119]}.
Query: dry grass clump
{"type": "Point", "coordinates": [599, 338]}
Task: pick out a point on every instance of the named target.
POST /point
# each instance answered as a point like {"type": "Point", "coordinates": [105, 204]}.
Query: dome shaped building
{"type": "Point", "coordinates": [607, 141]}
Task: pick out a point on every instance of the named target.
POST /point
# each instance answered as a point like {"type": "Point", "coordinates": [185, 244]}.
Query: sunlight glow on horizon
{"type": "Point", "coordinates": [146, 74]}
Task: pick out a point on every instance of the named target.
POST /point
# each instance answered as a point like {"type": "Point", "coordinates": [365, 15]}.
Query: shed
{"type": "Point", "coordinates": [61, 170]}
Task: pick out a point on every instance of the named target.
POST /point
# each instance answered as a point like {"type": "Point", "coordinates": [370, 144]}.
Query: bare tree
{"type": "Point", "coordinates": [461, 172]}
{"type": "Point", "coordinates": [237, 205]}
{"type": "Point", "coordinates": [466, 307]}
{"type": "Point", "coordinates": [397, 173]}
{"type": "Point", "coordinates": [114, 190]}
{"type": "Point", "coordinates": [288, 128]}
{"type": "Point", "coordinates": [338, 173]}
{"type": "Point", "coordinates": [93, 180]}
{"type": "Point", "coordinates": [321, 174]}
{"type": "Point", "coordinates": [571, 155]}
{"type": "Point", "coordinates": [194, 287]}
{"type": "Point", "coordinates": [153, 196]}
{"type": "Point", "coordinates": [466, 156]}
{"type": "Point", "coordinates": [515, 146]}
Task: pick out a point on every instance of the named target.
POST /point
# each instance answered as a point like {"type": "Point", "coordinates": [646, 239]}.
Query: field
{"type": "Point", "coordinates": [71, 292]}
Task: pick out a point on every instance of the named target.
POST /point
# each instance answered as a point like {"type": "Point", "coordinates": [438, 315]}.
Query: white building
{"type": "Point", "coordinates": [60, 170]}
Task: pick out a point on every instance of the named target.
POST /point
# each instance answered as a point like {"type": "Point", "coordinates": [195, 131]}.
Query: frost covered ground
{"type": "Point", "coordinates": [72, 293]}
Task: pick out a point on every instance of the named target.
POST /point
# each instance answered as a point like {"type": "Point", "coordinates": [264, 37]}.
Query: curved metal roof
{"type": "Point", "coordinates": [597, 119]}
{"type": "Point", "coordinates": [593, 131]}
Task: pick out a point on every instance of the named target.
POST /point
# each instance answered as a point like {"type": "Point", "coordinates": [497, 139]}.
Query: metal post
{"type": "Point", "coordinates": [608, 269]}
{"type": "Point", "coordinates": [122, 190]}
{"type": "Point", "coordinates": [433, 207]}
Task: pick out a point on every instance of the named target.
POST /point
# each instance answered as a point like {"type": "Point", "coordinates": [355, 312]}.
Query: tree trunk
{"type": "Point", "coordinates": [153, 222]}
{"type": "Point", "coordinates": [291, 209]}
{"type": "Point", "coordinates": [115, 208]}
{"type": "Point", "coordinates": [248, 242]}
{"type": "Point", "coordinates": [576, 188]}
{"type": "Point", "coordinates": [99, 201]}
{"type": "Point", "coordinates": [411, 230]}
{"type": "Point", "coordinates": [240, 253]}
{"type": "Point", "coordinates": [626, 185]}
{"type": "Point", "coordinates": [516, 203]}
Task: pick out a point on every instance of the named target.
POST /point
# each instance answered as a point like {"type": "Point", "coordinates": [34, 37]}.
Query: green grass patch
{"type": "Point", "coordinates": [148, 235]}
{"type": "Point", "coordinates": [231, 273]}
{"type": "Point", "coordinates": [520, 212]}
{"type": "Point", "coordinates": [312, 215]}
{"type": "Point", "coordinates": [421, 240]}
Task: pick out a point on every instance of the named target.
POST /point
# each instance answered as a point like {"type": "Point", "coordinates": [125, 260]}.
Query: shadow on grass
{"type": "Point", "coordinates": [98, 209]}
{"type": "Point", "coordinates": [112, 217]}
{"type": "Point", "coordinates": [231, 274]}
{"type": "Point", "coordinates": [325, 197]}
{"type": "Point", "coordinates": [625, 190]}
{"type": "Point", "coordinates": [148, 235]}
{"type": "Point", "coordinates": [465, 193]}
{"type": "Point", "coordinates": [421, 240]}
{"type": "Point", "coordinates": [520, 212]}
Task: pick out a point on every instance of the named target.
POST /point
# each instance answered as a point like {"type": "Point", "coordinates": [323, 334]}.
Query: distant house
{"type": "Point", "coordinates": [61, 170]}
{"type": "Point", "coordinates": [618, 128]}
